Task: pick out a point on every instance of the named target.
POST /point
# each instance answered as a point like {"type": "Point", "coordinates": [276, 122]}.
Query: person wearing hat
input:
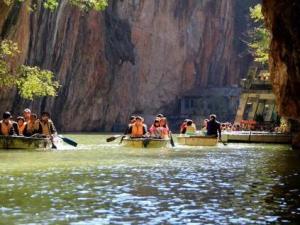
{"type": "Point", "coordinates": [46, 126]}
{"type": "Point", "coordinates": [6, 125]}
{"type": "Point", "coordinates": [27, 114]}
{"type": "Point", "coordinates": [21, 124]}
{"type": "Point", "coordinates": [138, 129]}
{"type": "Point", "coordinates": [160, 116]}
{"type": "Point", "coordinates": [214, 127]}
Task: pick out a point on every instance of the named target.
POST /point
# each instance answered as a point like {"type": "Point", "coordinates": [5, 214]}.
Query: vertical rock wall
{"type": "Point", "coordinates": [283, 19]}
{"type": "Point", "coordinates": [135, 57]}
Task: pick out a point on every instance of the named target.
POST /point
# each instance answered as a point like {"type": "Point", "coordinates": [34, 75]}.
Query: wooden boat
{"type": "Point", "coordinates": [145, 142]}
{"type": "Point", "coordinates": [197, 140]}
{"type": "Point", "coordinates": [257, 137]}
{"type": "Point", "coordinates": [19, 142]}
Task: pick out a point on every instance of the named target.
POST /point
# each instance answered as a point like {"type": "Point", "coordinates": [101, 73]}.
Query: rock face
{"type": "Point", "coordinates": [135, 57]}
{"type": "Point", "coordinates": [283, 19]}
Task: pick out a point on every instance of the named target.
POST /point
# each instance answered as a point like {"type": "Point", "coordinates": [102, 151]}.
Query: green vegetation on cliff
{"type": "Point", "coordinates": [31, 81]}
{"type": "Point", "coordinates": [82, 4]}
{"type": "Point", "coordinates": [260, 36]}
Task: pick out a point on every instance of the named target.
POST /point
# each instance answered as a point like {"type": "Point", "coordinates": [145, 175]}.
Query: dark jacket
{"type": "Point", "coordinates": [213, 128]}
{"type": "Point", "coordinates": [16, 128]}
{"type": "Point", "coordinates": [28, 132]}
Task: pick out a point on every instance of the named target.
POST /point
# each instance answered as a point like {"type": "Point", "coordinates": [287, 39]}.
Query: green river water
{"type": "Point", "coordinates": [104, 183]}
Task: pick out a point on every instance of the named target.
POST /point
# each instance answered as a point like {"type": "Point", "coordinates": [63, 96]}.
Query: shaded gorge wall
{"type": "Point", "coordinates": [136, 57]}
{"type": "Point", "coordinates": [283, 20]}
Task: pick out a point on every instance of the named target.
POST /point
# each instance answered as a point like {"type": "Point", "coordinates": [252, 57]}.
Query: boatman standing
{"type": "Point", "coordinates": [214, 127]}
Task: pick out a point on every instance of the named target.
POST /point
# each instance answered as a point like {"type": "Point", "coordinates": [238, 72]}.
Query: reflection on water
{"type": "Point", "coordinates": [106, 184]}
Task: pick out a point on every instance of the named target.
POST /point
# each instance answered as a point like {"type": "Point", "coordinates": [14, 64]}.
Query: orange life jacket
{"type": "Point", "coordinates": [22, 128]}
{"type": "Point", "coordinates": [137, 130]}
{"type": "Point", "coordinates": [46, 128]}
{"type": "Point", "coordinates": [30, 127]}
{"type": "Point", "coordinates": [5, 128]}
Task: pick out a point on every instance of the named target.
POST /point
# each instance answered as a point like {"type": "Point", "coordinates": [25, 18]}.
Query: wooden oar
{"type": "Point", "coordinates": [68, 140]}
{"type": "Point", "coordinates": [122, 139]}
{"type": "Point", "coordinates": [220, 140]}
{"type": "Point", "coordinates": [146, 142]}
{"type": "Point", "coordinates": [171, 140]}
{"type": "Point", "coordinates": [53, 145]}
{"type": "Point", "coordinates": [110, 139]}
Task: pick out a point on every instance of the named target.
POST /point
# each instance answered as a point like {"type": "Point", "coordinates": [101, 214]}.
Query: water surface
{"type": "Point", "coordinates": [100, 183]}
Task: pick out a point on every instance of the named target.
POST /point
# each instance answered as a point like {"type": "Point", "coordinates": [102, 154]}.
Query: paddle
{"type": "Point", "coordinates": [68, 140]}
{"type": "Point", "coordinates": [220, 140]}
{"type": "Point", "coordinates": [122, 139]}
{"type": "Point", "coordinates": [110, 139]}
{"type": "Point", "coordinates": [146, 142]}
{"type": "Point", "coordinates": [225, 144]}
{"type": "Point", "coordinates": [53, 145]}
{"type": "Point", "coordinates": [171, 140]}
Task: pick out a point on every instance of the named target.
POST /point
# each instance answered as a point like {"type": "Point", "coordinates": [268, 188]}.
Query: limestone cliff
{"type": "Point", "coordinates": [282, 18]}
{"type": "Point", "coordinates": [135, 57]}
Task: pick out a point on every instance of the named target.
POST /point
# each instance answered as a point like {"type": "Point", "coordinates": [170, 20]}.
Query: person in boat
{"type": "Point", "coordinates": [190, 128]}
{"type": "Point", "coordinates": [214, 127]}
{"type": "Point", "coordinates": [204, 127]}
{"type": "Point", "coordinates": [131, 122]}
{"type": "Point", "coordinates": [6, 125]}
{"type": "Point", "coordinates": [46, 126]}
{"type": "Point", "coordinates": [32, 126]}
{"type": "Point", "coordinates": [183, 126]}
{"type": "Point", "coordinates": [27, 114]}
{"type": "Point", "coordinates": [165, 131]}
{"type": "Point", "coordinates": [155, 130]}
{"type": "Point", "coordinates": [21, 125]}
{"type": "Point", "coordinates": [138, 129]}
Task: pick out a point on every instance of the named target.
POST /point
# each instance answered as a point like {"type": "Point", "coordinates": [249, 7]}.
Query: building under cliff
{"type": "Point", "coordinates": [257, 101]}
{"type": "Point", "coordinates": [199, 103]}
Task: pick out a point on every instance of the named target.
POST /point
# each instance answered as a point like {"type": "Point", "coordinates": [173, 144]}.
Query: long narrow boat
{"type": "Point", "coordinates": [257, 137]}
{"type": "Point", "coordinates": [197, 140]}
{"type": "Point", "coordinates": [18, 142]}
{"type": "Point", "coordinates": [145, 142]}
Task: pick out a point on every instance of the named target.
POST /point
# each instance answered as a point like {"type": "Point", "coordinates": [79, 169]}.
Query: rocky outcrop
{"type": "Point", "coordinates": [282, 18]}
{"type": "Point", "coordinates": [135, 57]}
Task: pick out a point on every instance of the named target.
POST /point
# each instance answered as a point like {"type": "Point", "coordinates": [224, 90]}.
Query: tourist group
{"type": "Point", "coordinates": [27, 125]}
{"type": "Point", "coordinates": [160, 129]}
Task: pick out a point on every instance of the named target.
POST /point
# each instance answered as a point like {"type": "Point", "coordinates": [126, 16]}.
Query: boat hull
{"type": "Point", "coordinates": [17, 142]}
{"type": "Point", "coordinates": [145, 143]}
{"type": "Point", "coordinates": [197, 140]}
{"type": "Point", "coordinates": [257, 137]}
